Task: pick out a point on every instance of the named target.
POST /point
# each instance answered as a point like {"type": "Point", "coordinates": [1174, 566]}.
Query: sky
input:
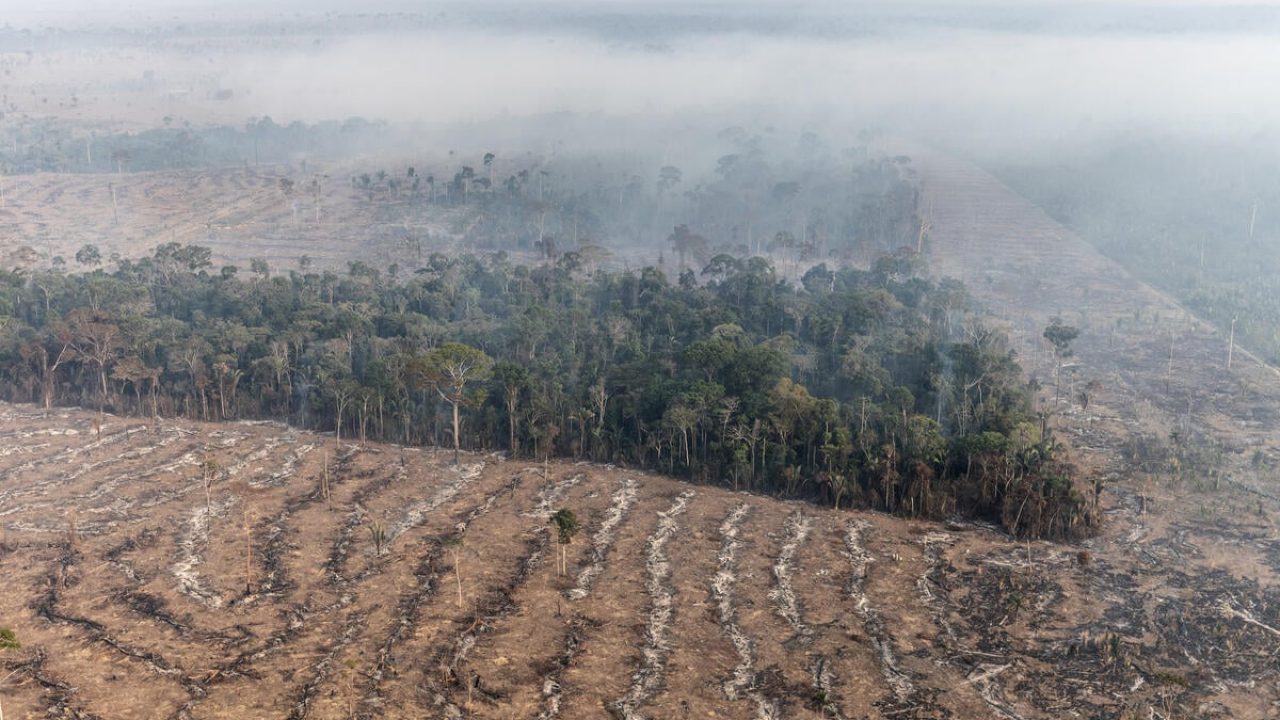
{"type": "Point", "coordinates": [23, 12]}
{"type": "Point", "coordinates": [1047, 72]}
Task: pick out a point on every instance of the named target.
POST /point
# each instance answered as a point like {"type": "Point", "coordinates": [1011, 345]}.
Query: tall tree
{"type": "Point", "coordinates": [514, 380]}
{"type": "Point", "coordinates": [46, 354]}
{"type": "Point", "coordinates": [1060, 337]}
{"type": "Point", "coordinates": [96, 339]}
{"type": "Point", "coordinates": [448, 370]}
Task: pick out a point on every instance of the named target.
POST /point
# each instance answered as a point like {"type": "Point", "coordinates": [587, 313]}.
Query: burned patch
{"type": "Point", "coordinates": [553, 676]}
{"type": "Point", "coordinates": [998, 595]}
{"type": "Point", "coordinates": [1226, 629]}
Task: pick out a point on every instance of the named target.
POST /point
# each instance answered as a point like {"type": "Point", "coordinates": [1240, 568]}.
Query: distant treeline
{"type": "Point", "coordinates": [875, 388]}
{"type": "Point", "coordinates": [45, 146]}
{"type": "Point", "coordinates": [792, 198]}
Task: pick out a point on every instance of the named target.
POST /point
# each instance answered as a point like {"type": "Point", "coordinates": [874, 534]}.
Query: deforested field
{"type": "Point", "coordinates": [239, 213]}
{"type": "Point", "coordinates": [171, 569]}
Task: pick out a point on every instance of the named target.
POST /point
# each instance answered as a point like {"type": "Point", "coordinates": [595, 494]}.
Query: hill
{"type": "Point", "coordinates": [137, 593]}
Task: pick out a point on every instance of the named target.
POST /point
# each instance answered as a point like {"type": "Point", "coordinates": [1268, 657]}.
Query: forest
{"type": "Point", "coordinates": [53, 146]}
{"type": "Point", "coordinates": [872, 388]}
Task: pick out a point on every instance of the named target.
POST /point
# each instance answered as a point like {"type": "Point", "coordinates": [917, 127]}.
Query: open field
{"type": "Point", "coordinates": [240, 213]}
{"type": "Point", "coordinates": [135, 596]}
{"type": "Point", "coordinates": [131, 597]}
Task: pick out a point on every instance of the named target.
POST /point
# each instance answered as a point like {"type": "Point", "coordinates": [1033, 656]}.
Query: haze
{"type": "Point", "coordinates": [579, 359]}
{"type": "Point", "coordinates": [1030, 77]}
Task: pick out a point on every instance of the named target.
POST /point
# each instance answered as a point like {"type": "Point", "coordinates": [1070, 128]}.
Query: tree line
{"type": "Point", "coordinates": [874, 388]}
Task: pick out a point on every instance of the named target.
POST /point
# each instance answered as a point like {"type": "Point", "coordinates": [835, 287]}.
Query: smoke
{"type": "Point", "coordinates": [1008, 78]}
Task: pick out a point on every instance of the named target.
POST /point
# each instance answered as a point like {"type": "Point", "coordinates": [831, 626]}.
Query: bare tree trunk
{"type": "Point", "coordinates": [102, 376]}
{"type": "Point", "coordinates": [457, 445]}
{"type": "Point", "coordinates": [248, 552]}
{"type": "Point", "coordinates": [511, 418]}
{"type": "Point", "coordinates": [324, 483]}
{"type": "Point", "coordinates": [338, 425]}
{"type": "Point", "coordinates": [457, 574]}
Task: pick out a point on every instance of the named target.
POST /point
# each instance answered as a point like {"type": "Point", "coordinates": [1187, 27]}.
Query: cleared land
{"type": "Point", "coordinates": [240, 213]}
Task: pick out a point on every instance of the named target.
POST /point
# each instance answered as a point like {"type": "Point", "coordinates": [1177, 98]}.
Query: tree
{"type": "Point", "coordinates": [378, 533]}
{"type": "Point", "coordinates": [448, 370]}
{"type": "Point", "coordinates": [286, 188]}
{"type": "Point", "coordinates": [248, 548]}
{"type": "Point", "coordinates": [96, 340]}
{"type": "Point", "coordinates": [89, 255]}
{"type": "Point", "coordinates": [344, 391]}
{"type": "Point", "coordinates": [37, 353]}
{"type": "Point", "coordinates": [8, 640]}
{"type": "Point", "coordinates": [566, 527]}
{"type": "Point", "coordinates": [1091, 388]}
{"type": "Point", "coordinates": [455, 543]}
{"type": "Point", "coordinates": [668, 177]}
{"type": "Point", "coordinates": [1060, 337]}
{"type": "Point", "coordinates": [686, 243]}
{"type": "Point", "coordinates": [514, 380]}
{"type": "Point", "coordinates": [682, 418]}
{"type": "Point", "coordinates": [260, 268]}
{"type": "Point", "coordinates": [210, 468]}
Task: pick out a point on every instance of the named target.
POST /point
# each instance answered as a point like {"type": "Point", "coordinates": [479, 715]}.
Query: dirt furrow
{"type": "Point", "coordinates": [464, 476]}
{"type": "Point", "coordinates": [497, 604]}
{"type": "Point", "coordinates": [529, 650]}
{"type": "Point", "coordinates": [47, 607]}
{"type": "Point", "coordinates": [603, 539]}
{"type": "Point", "coordinates": [58, 695]}
{"type": "Point", "coordinates": [553, 683]}
{"type": "Point", "coordinates": [62, 457]}
{"type": "Point", "coordinates": [552, 494]}
{"type": "Point", "coordinates": [899, 681]}
{"type": "Point", "coordinates": [301, 706]}
{"type": "Point", "coordinates": [786, 604]}
{"type": "Point", "coordinates": [740, 683]}
{"type": "Point", "coordinates": [335, 565]}
{"type": "Point", "coordinates": [427, 580]}
{"type": "Point", "coordinates": [648, 677]}
{"type": "Point", "coordinates": [330, 600]}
